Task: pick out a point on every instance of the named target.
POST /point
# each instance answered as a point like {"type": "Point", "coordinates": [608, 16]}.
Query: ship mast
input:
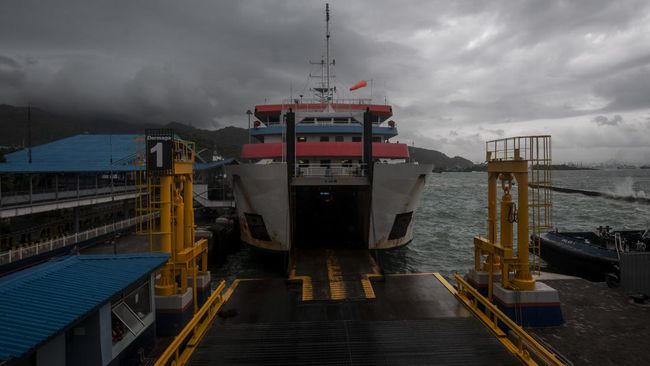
{"type": "Point", "coordinates": [325, 93]}
{"type": "Point", "coordinates": [327, 48]}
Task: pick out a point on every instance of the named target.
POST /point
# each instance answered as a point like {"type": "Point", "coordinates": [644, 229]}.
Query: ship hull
{"type": "Point", "coordinates": [341, 211]}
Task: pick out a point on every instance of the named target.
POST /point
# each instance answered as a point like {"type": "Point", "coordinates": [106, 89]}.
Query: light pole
{"type": "Point", "coordinates": [248, 112]}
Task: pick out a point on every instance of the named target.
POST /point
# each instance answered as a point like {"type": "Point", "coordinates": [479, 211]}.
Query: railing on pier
{"type": "Point", "coordinates": [331, 170]}
{"type": "Point", "coordinates": [183, 345]}
{"type": "Point", "coordinates": [9, 200]}
{"type": "Point", "coordinates": [526, 348]}
{"type": "Point", "coordinates": [17, 254]}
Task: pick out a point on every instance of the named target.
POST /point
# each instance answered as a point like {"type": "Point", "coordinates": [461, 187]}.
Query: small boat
{"type": "Point", "coordinates": [592, 255]}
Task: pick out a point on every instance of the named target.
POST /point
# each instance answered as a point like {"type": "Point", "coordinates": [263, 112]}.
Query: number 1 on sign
{"type": "Point", "coordinates": [158, 150]}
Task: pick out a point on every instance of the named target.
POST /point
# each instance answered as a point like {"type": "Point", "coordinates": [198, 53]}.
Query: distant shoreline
{"type": "Point", "coordinates": [569, 167]}
{"type": "Point", "coordinates": [483, 168]}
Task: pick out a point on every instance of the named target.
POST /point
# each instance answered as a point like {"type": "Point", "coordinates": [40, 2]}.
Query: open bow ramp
{"type": "Point", "coordinates": [412, 319]}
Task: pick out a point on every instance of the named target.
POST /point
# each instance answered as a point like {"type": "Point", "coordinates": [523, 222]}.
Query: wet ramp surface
{"type": "Point", "coordinates": [412, 320]}
{"type": "Point", "coordinates": [443, 341]}
{"type": "Point", "coordinates": [341, 274]}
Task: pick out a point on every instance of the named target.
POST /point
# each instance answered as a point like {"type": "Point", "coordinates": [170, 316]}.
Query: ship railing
{"type": "Point", "coordinates": [290, 102]}
{"type": "Point", "coordinates": [23, 252]}
{"type": "Point", "coordinates": [331, 170]}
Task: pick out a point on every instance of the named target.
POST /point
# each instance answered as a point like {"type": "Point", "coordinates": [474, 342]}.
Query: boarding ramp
{"type": "Point", "coordinates": [321, 317]}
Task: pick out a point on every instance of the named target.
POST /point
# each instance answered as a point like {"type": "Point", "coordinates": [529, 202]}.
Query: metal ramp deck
{"type": "Point", "coordinates": [411, 319]}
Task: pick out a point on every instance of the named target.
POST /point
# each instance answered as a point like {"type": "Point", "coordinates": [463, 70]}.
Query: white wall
{"type": "Point", "coordinates": [52, 353]}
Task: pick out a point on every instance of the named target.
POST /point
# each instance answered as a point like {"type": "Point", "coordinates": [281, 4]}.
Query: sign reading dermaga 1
{"type": "Point", "coordinates": [160, 148]}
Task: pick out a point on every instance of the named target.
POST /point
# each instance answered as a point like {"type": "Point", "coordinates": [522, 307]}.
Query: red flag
{"type": "Point", "coordinates": [358, 85]}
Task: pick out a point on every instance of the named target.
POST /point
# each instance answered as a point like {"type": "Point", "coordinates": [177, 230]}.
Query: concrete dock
{"type": "Point", "coordinates": [602, 325]}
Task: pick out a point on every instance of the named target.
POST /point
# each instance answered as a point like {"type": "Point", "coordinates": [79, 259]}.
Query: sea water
{"type": "Point", "coordinates": [453, 209]}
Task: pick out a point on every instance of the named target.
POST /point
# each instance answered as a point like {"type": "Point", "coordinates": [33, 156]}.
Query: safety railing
{"type": "Point", "coordinates": [536, 150]}
{"type": "Point", "coordinates": [318, 170]}
{"type": "Point", "coordinates": [14, 199]}
{"type": "Point", "coordinates": [526, 348]}
{"type": "Point", "coordinates": [291, 102]}
{"type": "Point", "coordinates": [183, 345]}
{"type": "Point", "coordinates": [20, 253]}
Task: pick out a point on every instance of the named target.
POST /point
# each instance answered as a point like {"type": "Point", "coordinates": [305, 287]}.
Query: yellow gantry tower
{"type": "Point", "coordinates": [510, 164]}
{"type": "Point", "coordinates": [167, 202]}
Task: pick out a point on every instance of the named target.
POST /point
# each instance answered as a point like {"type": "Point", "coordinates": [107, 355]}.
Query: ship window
{"type": "Point", "coordinates": [323, 119]}
{"type": "Point", "coordinates": [307, 120]}
{"type": "Point", "coordinates": [341, 120]}
{"type": "Point", "coordinates": [324, 139]}
{"type": "Point", "coordinates": [303, 162]}
{"type": "Point", "coordinates": [356, 138]}
{"type": "Point", "coordinates": [302, 139]}
{"type": "Point", "coordinates": [325, 163]}
{"type": "Point", "coordinates": [376, 139]}
{"type": "Point", "coordinates": [338, 138]}
{"type": "Point", "coordinates": [256, 227]}
{"type": "Point", "coordinates": [400, 225]}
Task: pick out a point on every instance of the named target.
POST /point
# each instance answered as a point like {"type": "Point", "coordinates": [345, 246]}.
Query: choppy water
{"type": "Point", "coordinates": [453, 210]}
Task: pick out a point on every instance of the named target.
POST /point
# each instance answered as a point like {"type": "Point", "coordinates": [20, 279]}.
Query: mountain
{"type": "Point", "coordinates": [227, 141]}
{"type": "Point", "coordinates": [48, 127]}
{"type": "Point", "coordinates": [439, 160]}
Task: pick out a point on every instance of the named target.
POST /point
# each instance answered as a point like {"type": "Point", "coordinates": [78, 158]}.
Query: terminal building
{"type": "Point", "coordinates": [72, 192]}
{"type": "Point", "coordinates": [73, 323]}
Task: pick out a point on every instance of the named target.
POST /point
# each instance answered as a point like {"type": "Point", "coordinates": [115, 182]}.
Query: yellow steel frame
{"type": "Point", "coordinates": [184, 344]}
{"type": "Point", "coordinates": [170, 195]}
{"type": "Point", "coordinates": [526, 348]}
{"type": "Point", "coordinates": [527, 161]}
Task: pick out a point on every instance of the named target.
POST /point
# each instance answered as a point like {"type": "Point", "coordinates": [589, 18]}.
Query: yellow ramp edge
{"type": "Point", "coordinates": [518, 342]}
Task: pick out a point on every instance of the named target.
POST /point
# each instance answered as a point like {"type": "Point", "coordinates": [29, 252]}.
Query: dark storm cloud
{"type": "Point", "coordinates": [11, 73]}
{"type": "Point", "coordinates": [604, 121]}
{"type": "Point", "coordinates": [444, 65]}
{"type": "Point", "coordinates": [200, 62]}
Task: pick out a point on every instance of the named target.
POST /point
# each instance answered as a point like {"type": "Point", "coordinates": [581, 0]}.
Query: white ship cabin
{"type": "Point", "coordinates": [329, 138]}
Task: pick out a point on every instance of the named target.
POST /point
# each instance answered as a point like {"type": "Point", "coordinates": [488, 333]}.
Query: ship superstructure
{"type": "Point", "coordinates": [324, 170]}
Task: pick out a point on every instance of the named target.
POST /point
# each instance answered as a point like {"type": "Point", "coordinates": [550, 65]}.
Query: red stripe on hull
{"type": "Point", "coordinates": [325, 149]}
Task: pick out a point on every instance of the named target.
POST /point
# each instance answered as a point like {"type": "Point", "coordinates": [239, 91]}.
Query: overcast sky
{"type": "Point", "coordinates": [456, 72]}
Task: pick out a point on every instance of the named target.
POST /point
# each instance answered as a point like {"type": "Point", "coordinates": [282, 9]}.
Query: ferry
{"type": "Point", "coordinates": [324, 170]}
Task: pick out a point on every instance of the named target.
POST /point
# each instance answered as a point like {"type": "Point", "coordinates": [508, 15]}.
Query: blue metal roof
{"type": "Point", "coordinates": [329, 129]}
{"type": "Point", "coordinates": [85, 153]}
{"type": "Point", "coordinates": [40, 302]}
{"type": "Point", "coordinates": [80, 153]}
